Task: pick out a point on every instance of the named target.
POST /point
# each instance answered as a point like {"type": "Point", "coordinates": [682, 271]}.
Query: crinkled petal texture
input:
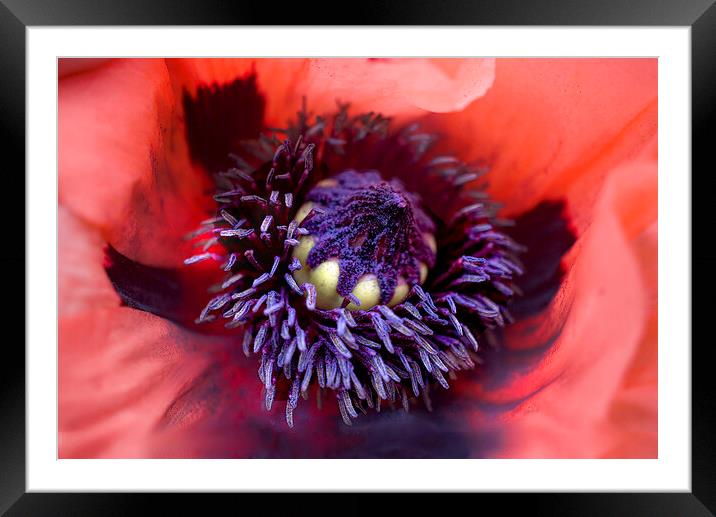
{"type": "Point", "coordinates": [393, 87]}
{"type": "Point", "coordinates": [123, 163]}
{"type": "Point", "coordinates": [577, 379]}
{"type": "Point", "coordinates": [553, 128]}
{"type": "Point", "coordinates": [118, 367]}
{"type": "Point", "coordinates": [588, 389]}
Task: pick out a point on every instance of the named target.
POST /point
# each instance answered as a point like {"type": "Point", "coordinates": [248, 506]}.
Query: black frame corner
{"type": "Point", "coordinates": [700, 15]}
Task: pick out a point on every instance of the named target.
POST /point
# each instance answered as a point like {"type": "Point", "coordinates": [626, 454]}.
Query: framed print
{"type": "Point", "coordinates": [325, 258]}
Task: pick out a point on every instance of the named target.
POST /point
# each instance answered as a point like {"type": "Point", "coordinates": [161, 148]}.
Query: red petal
{"type": "Point", "coordinates": [593, 392]}
{"type": "Point", "coordinates": [135, 385]}
{"type": "Point", "coordinates": [400, 87]}
{"type": "Point", "coordinates": [274, 77]}
{"type": "Point", "coordinates": [120, 370]}
{"type": "Point", "coordinates": [633, 413]}
{"type": "Point", "coordinates": [122, 160]}
{"type": "Point", "coordinates": [394, 87]}
{"type": "Point", "coordinates": [551, 128]}
{"type": "Point", "coordinates": [69, 66]}
{"type": "Point", "coordinates": [82, 282]}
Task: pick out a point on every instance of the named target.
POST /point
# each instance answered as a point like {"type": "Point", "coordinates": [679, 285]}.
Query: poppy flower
{"type": "Point", "coordinates": [455, 257]}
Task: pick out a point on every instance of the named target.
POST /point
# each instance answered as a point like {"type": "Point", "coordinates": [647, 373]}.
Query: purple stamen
{"type": "Point", "coordinates": [370, 219]}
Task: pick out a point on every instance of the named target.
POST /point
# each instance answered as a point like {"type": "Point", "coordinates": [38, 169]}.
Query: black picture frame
{"type": "Point", "coordinates": [17, 15]}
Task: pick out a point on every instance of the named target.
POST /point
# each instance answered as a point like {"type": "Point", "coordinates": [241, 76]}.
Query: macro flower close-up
{"type": "Point", "coordinates": [357, 258]}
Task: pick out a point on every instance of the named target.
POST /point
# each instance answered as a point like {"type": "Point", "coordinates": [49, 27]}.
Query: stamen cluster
{"type": "Point", "coordinates": [389, 352]}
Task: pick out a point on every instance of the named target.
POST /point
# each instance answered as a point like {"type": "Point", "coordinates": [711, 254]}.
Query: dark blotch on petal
{"type": "Point", "coordinates": [220, 117]}
{"type": "Point", "coordinates": [202, 394]}
{"type": "Point", "coordinates": [418, 434]}
{"type": "Point", "coordinates": [147, 288]}
{"type": "Point", "coordinates": [547, 233]}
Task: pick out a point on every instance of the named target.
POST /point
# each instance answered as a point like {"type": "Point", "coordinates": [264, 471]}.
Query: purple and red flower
{"type": "Point", "coordinates": [468, 242]}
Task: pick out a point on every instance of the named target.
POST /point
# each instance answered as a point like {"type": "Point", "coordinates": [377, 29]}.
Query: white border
{"type": "Point", "coordinates": [670, 472]}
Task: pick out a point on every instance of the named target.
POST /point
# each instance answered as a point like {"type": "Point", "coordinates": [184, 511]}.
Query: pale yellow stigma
{"type": "Point", "coordinates": [328, 182]}
{"type": "Point", "coordinates": [303, 211]}
{"type": "Point", "coordinates": [423, 272]}
{"type": "Point", "coordinates": [367, 291]}
{"type": "Point", "coordinates": [305, 208]}
{"type": "Point", "coordinates": [400, 293]}
{"type": "Point", "coordinates": [325, 278]}
{"type": "Point", "coordinates": [430, 241]}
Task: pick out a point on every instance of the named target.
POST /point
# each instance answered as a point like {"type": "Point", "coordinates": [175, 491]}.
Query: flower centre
{"type": "Point", "coordinates": [369, 241]}
{"type": "Point", "coordinates": [360, 242]}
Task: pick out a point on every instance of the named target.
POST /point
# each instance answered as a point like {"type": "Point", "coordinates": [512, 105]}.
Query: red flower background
{"type": "Point", "coordinates": [572, 150]}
